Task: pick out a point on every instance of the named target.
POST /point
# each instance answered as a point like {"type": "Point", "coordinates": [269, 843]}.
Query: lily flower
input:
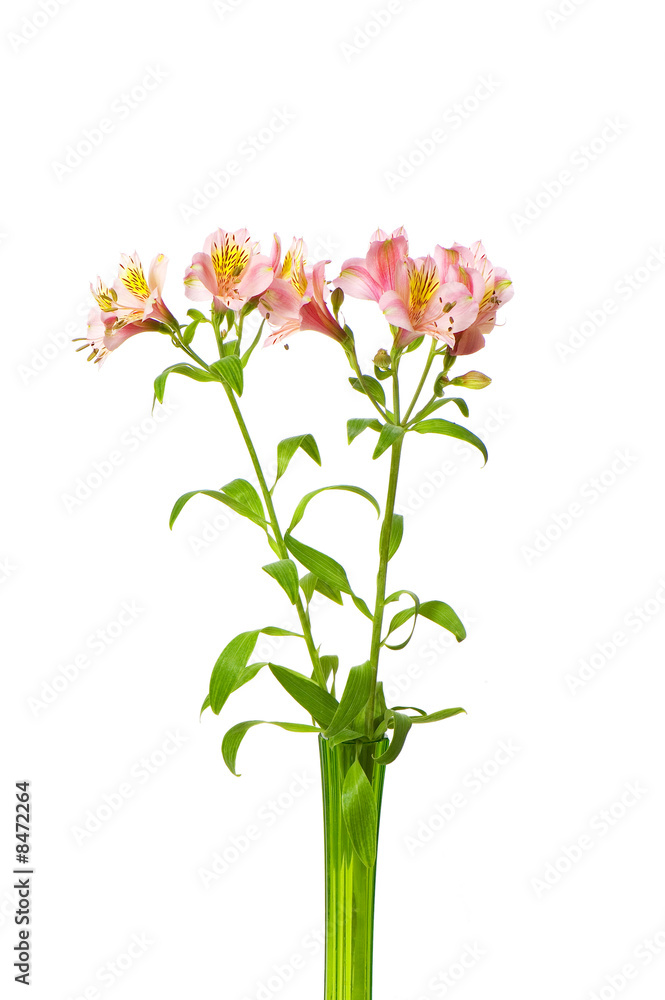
{"type": "Point", "coordinates": [137, 298]}
{"type": "Point", "coordinates": [104, 336]}
{"type": "Point", "coordinates": [230, 270]}
{"type": "Point", "coordinates": [369, 277]}
{"type": "Point", "coordinates": [296, 299]}
{"type": "Point", "coordinates": [491, 287]}
{"type": "Point", "coordinates": [426, 301]}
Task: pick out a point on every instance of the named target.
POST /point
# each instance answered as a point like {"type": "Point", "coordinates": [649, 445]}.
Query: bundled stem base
{"type": "Point", "coordinates": [349, 883]}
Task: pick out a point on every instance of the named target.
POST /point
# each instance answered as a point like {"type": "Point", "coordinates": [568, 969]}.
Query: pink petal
{"type": "Point", "coordinates": [157, 273]}
{"type": "Point", "coordinates": [355, 280]}
{"type": "Point", "coordinates": [256, 277]}
{"type": "Point", "coordinates": [394, 309]}
{"type": "Point", "coordinates": [384, 258]}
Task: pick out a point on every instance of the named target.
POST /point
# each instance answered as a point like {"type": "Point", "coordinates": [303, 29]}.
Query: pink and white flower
{"type": "Point", "coordinates": [104, 336]}
{"type": "Point", "coordinates": [369, 277]}
{"type": "Point", "coordinates": [231, 270]}
{"type": "Point", "coordinates": [137, 298]}
{"type": "Point", "coordinates": [492, 291]}
{"type": "Point", "coordinates": [296, 298]}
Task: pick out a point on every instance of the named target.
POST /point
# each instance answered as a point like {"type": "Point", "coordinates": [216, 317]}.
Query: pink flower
{"type": "Point", "coordinates": [492, 290]}
{"type": "Point", "coordinates": [426, 301]}
{"type": "Point", "coordinates": [369, 277]}
{"type": "Point", "coordinates": [296, 298]}
{"type": "Point", "coordinates": [136, 298]}
{"type": "Point", "coordinates": [102, 337]}
{"type": "Point", "coordinates": [230, 270]}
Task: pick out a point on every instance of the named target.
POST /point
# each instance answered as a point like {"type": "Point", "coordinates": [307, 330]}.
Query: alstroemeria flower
{"type": "Point", "coordinates": [137, 298]}
{"type": "Point", "coordinates": [104, 336]}
{"type": "Point", "coordinates": [230, 270]}
{"type": "Point", "coordinates": [493, 290]}
{"type": "Point", "coordinates": [426, 301]}
{"type": "Point", "coordinates": [296, 298]}
{"type": "Point", "coordinates": [369, 277]}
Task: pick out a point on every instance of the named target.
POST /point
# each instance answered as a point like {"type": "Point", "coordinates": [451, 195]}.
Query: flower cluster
{"type": "Point", "coordinates": [452, 295]}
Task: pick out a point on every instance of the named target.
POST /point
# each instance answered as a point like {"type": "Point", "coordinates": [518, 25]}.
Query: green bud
{"type": "Point", "coordinates": [382, 359]}
{"type": "Point", "coordinates": [440, 383]}
{"type": "Point", "coordinates": [336, 300]}
{"type": "Point", "coordinates": [472, 380]}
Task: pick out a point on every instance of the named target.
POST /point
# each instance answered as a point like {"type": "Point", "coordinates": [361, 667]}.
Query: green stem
{"type": "Point", "coordinates": [279, 538]}
{"type": "Point", "coordinates": [303, 616]}
{"type": "Point", "coordinates": [361, 378]}
{"type": "Point", "coordinates": [384, 550]}
{"type": "Point", "coordinates": [423, 379]}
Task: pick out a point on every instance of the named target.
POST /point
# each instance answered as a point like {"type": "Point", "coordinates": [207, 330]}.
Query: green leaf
{"type": "Point", "coordinates": [436, 404]}
{"type": "Point", "coordinates": [191, 371]}
{"type": "Point", "coordinates": [396, 532]}
{"type": "Point", "coordinates": [287, 448]}
{"type": "Point", "coordinates": [383, 373]}
{"type": "Point", "coordinates": [360, 813]}
{"type": "Point", "coordinates": [230, 372]}
{"type": "Point", "coordinates": [307, 582]}
{"type": "Point", "coordinates": [402, 617]}
{"type": "Point", "coordinates": [374, 388]}
{"type": "Point", "coordinates": [390, 433]}
{"type": "Point", "coordinates": [362, 607]}
{"type": "Point", "coordinates": [410, 708]}
{"type": "Point", "coordinates": [323, 566]}
{"type": "Point", "coordinates": [245, 494]}
{"type": "Point", "coordinates": [187, 334]}
{"type": "Point", "coordinates": [402, 725]}
{"type": "Point", "coordinates": [414, 345]}
{"type": "Point", "coordinates": [355, 696]}
{"type": "Point", "coordinates": [346, 736]}
{"type": "Point", "coordinates": [446, 713]}
{"type": "Point", "coordinates": [329, 665]}
{"type": "Point", "coordinates": [435, 611]}
{"type": "Point", "coordinates": [285, 572]}
{"type": "Point", "coordinates": [302, 506]}
{"type": "Point", "coordinates": [235, 505]}
{"type": "Point", "coordinates": [236, 734]}
{"type": "Point", "coordinates": [356, 425]}
{"type": "Point", "coordinates": [197, 315]}
{"type": "Point", "coordinates": [231, 663]}
{"type": "Point", "coordinates": [449, 429]}
{"type": "Point", "coordinates": [319, 703]}
{"type": "Point", "coordinates": [206, 704]}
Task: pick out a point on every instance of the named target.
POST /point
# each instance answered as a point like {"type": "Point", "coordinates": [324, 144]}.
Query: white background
{"type": "Point", "coordinates": [577, 369]}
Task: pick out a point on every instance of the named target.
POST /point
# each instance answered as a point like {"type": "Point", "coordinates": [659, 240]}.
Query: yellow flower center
{"type": "Point", "coordinates": [133, 279]}
{"type": "Point", "coordinates": [229, 260]}
{"type": "Point", "coordinates": [423, 284]}
{"type": "Point", "coordinates": [293, 269]}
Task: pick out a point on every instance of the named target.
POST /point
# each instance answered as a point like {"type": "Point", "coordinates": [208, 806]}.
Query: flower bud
{"type": "Point", "coordinates": [472, 380]}
{"type": "Point", "coordinates": [440, 382]}
{"type": "Point", "coordinates": [382, 359]}
{"type": "Point", "coordinates": [336, 299]}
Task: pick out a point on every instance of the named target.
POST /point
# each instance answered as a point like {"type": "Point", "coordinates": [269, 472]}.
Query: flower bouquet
{"type": "Point", "coordinates": [437, 308]}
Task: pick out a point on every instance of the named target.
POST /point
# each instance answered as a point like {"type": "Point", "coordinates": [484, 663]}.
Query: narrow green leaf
{"type": "Point", "coordinates": [402, 725]}
{"type": "Point", "coordinates": [396, 532]}
{"type": "Point", "coordinates": [197, 315]}
{"type": "Point", "coordinates": [191, 371]}
{"type": "Point", "coordinates": [383, 373]}
{"type": "Point", "coordinates": [402, 617]}
{"type": "Point", "coordinates": [360, 813]}
{"type": "Point", "coordinates": [285, 572]}
{"type": "Point", "coordinates": [357, 425]}
{"type": "Point", "coordinates": [230, 372]}
{"type": "Point", "coordinates": [235, 505]}
{"type": "Point", "coordinates": [354, 698]}
{"type": "Point", "coordinates": [329, 665]}
{"type": "Point", "coordinates": [346, 736]}
{"type": "Point", "coordinates": [390, 433]}
{"type": "Point", "coordinates": [443, 615]}
{"type": "Point", "coordinates": [244, 493]}
{"type": "Point", "coordinates": [409, 708]}
{"type": "Point", "coordinates": [414, 345]}
{"type": "Point", "coordinates": [436, 404]}
{"type": "Point", "coordinates": [319, 703]}
{"type": "Point", "coordinates": [235, 736]}
{"type": "Point", "coordinates": [206, 704]}
{"type": "Point", "coordinates": [228, 674]}
{"type": "Point", "coordinates": [446, 713]}
{"type": "Point", "coordinates": [250, 350]}
{"type": "Point", "coordinates": [189, 331]}
{"type": "Point", "coordinates": [324, 567]}
{"type": "Point", "coordinates": [287, 448]}
{"type": "Point", "coordinates": [449, 429]}
{"type": "Point", "coordinates": [374, 388]}
{"type": "Point", "coordinates": [302, 506]}
{"type": "Point", "coordinates": [307, 583]}
{"type": "Point", "coordinates": [362, 607]}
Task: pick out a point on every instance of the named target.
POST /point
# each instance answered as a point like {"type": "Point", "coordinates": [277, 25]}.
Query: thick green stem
{"type": "Point", "coordinates": [423, 379]}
